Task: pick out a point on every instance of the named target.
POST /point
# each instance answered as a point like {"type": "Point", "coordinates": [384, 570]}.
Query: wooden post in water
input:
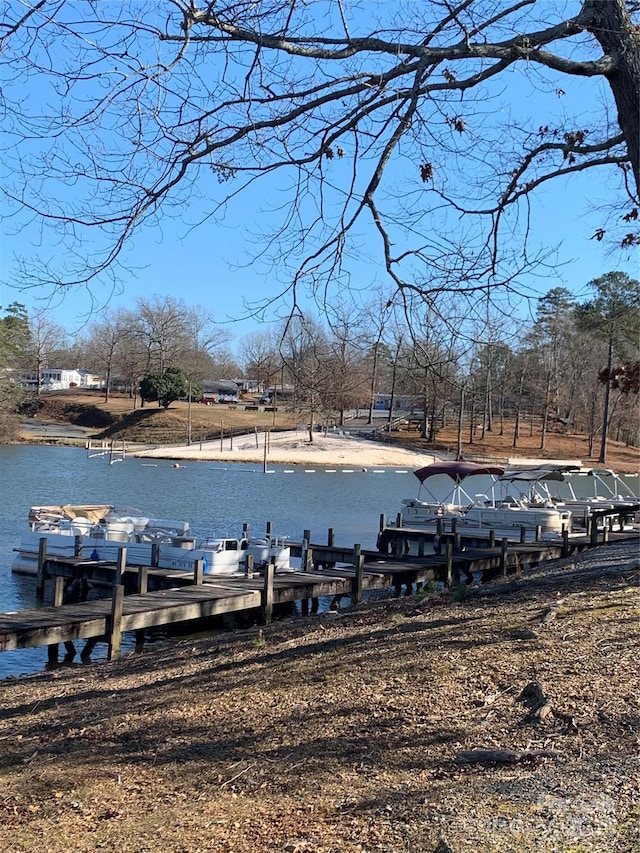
{"type": "Point", "coordinates": [358, 565]}
{"type": "Point", "coordinates": [114, 632]}
{"type": "Point", "coordinates": [398, 547]}
{"type": "Point", "coordinates": [58, 590]}
{"type": "Point", "coordinates": [267, 593]}
{"type": "Point", "coordinates": [593, 531]}
{"type": "Point", "coordinates": [399, 521]}
{"type": "Point", "coordinates": [269, 529]}
{"type": "Point", "coordinates": [538, 532]}
{"type": "Point", "coordinates": [155, 554]}
{"type": "Point", "coordinates": [42, 556]}
{"type": "Point", "coordinates": [198, 572]}
{"type": "Point", "coordinates": [523, 535]}
{"type": "Point", "coordinates": [565, 542]}
{"type": "Point", "coordinates": [58, 593]}
{"type": "Point", "coordinates": [492, 538]}
{"type": "Point", "coordinates": [306, 538]}
{"type": "Point", "coordinates": [331, 541]}
{"type": "Point", "coordinates": [114, 636]}
{"type": "Point", "coordinates": [77, 546]}
{"type": "Point", "coordinates": [503, 556]}
{"type": "Point", "coordinates": [421, 546]}
{"type": "Point", "coordinates": [309, 564]}
{"type": "Point", "coordinates": [141, 588]}
{"type": "Point", "coordinates": [121, 564]}
{"type": "Point", "coordinates": [248, 566]}
{"type": "Point", "coordinates": [448, 554]}
{"type": "Point", "coordinates": [143, 580]}
{"type": "Point", "coordinates": [457, 542]}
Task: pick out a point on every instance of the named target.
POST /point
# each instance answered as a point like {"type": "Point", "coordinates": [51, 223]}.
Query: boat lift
{"type": "Point", "coordinates": [114, 451]}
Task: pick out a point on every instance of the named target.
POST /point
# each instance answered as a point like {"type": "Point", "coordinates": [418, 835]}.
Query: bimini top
{"type": "Point", "coordinates": [533, 475]}
{"type": "Point", "coordinates": [457, 471]}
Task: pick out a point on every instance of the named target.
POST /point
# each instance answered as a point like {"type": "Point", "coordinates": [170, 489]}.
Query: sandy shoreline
{"type": "Point", "coordinates": [294, 448]}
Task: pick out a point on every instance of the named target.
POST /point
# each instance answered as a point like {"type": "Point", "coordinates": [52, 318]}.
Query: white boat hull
{"type": "Point", "coordinates": [221, 557]}
{"type": "Point", "coordinates": [504, 521]}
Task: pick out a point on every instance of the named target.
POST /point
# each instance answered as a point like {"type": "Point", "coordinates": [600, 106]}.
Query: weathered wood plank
{"type": "Point", "coordinates": [181, 600]}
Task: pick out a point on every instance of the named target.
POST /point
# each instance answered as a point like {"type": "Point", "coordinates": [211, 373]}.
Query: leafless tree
{"type": "Point", "coordinates": [177, 335]}
{"type": "Point", "coordinates": [347, 386]}
{"type": "Point", "coordinates": [305, 349]}
{"type": "Point", "coordinates": [46, 338]}
{"type": "Point", "coordinates": [372, 120]}
{"type": "Point", "coordinates": [261, 356]}
{"type": "Point", "coordinates": [106, 341]}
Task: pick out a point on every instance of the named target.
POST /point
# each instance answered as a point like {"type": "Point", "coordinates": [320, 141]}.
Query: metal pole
{"type": "Point", "coordinates": [189, 416]}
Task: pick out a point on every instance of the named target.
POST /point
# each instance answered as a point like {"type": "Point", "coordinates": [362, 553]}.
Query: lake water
{"type": "Point", "coordinates": [212, 496]}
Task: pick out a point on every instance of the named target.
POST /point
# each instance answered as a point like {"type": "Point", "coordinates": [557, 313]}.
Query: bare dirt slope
{"type": "Point", "coordinates": [118, 419]}
{"type": "Point", "coordinates": [350, 733]}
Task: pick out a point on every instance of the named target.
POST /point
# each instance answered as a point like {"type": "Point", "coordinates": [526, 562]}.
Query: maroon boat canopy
{"type": "Point", "coordinates": [457, 471]}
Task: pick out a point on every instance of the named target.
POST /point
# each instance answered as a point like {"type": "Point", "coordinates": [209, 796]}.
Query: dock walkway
{"type": "Point", "coordinates": [163, 597]}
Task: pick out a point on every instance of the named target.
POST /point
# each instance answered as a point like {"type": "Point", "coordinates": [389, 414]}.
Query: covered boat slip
{"type": "Point", "coordinates": [474, 497]}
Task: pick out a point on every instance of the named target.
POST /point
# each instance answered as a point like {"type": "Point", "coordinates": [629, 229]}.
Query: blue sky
{"type": "Point", "coordinates": [208, 265]}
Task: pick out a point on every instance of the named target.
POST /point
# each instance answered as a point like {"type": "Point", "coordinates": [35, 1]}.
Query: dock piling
{"type": "Point", "coordinates": [143, 580]}
{"type": "Point", "coordinates": [358, 565]}
{"type": "Point", "coordinates": [114, 636]}
{"type": "Point", "coordinates": [267, 592]}
{"type": "Point", "coordinates": [504, 547]}
{"type": "Point", "coordinates": [40, 577]}
{"type": "Point", "coordinates": [448, 551]}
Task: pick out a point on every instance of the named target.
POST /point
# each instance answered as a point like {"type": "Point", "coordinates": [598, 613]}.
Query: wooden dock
{"type": "Point", "coordinates": [145, 597]}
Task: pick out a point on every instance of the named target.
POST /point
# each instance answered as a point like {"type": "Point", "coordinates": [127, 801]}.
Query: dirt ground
{"type": "Point", "coordinates": [117, 419]}
{"type": "Point", "coordinates": [502, 718]}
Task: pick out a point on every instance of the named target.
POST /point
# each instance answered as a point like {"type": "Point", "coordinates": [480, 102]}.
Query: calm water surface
{"type": "Point", "coordinates": [214, 497]}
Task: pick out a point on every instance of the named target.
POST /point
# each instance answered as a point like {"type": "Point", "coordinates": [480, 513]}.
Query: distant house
{"type": "Point", "coordinates": [279, 392]}
{"type": "Point", "coordinates": [401, 402]}
{"type": "Point", "coordinates": [219, 391]}
{"type": "Point", "coordinates": [59, 379]}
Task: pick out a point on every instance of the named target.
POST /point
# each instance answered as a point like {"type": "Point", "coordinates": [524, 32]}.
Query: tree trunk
{"type": "Point", "coordinates": [516, 427]}
{"type": "Point", "coordinates": [607, 396]}
{"type": "Point", "coordinates": [374, 373]}
{"type": "Point", "coordinates": [545, 414]}
{"type": "Point", "coordinates": [460, 415]}
{"type": "Point", "coordinates": [609, 23]}
{"type": "Point", "coordinates": [472, 420]}
{"type": "Point", "coordinates": [392, 398]}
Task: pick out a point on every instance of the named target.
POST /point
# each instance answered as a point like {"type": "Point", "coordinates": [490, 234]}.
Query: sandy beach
{"type": "Point", "coordinates": [294, 448]}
